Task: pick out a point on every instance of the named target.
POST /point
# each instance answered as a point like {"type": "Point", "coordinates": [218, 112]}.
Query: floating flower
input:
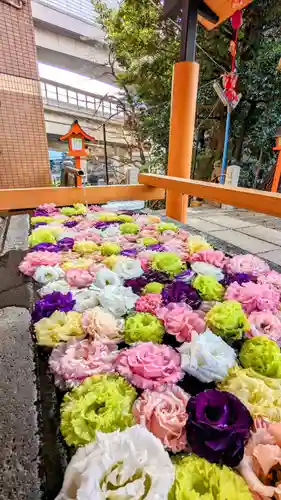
{"type": "Point", "coordinates": [254, 297]}
{"type": "Point", "coordinates": [117, 299]}
{"type": "Point", "coordinates": [167, 226]}
{"type": "Point", "coordinates": [265, 323]}
{"type": "Point", "coordinates": [207, 270]}
{"type": "Point", "coordinates": [207, 357]}
{"type": "Point", "coordinates": [79, 278]}
{"type": "Point", "coordinates": [73, 361]}
{"type": "Point", "coordinates": [128, 269]}
{"type": "Point", "coordinates": [240, 278]}
{"type": "Point", "coordinates": [129, 228]}
{"type": "Point", "coordinates": [49, 208]}
{"type": "Point", "coordinates": [54, 286]}
{"type": "Point", "coordinates": [271, 278]}
{"type": "Point", "coordinates": [85, 299]}
{"type": "Point", "coordinates": [208, 288]}
{"type": "Point", "coordinates": [261, 395]}
{"type": "Point", "coordinates": [227, 320]}
{"type": "Point", "coordinates": [143, 327]}
{"type": "Point", "coordinates": [218, 426]}
{"type": "Point", "coordinates": [59, 327]}
{"type": "Point", "coordinates": [45, 274]}
{"type": "Point", "coordinates": [138, 284]}
{"type": "Point", "coordinates": [102, 325]}
{"type": "Point", "coordinates": [181, 321]}
{"type": "Point", "coordinates": [50, 303]}
{"type": "Point", "coordinates": [163, 412]}
{"type": "Point", "coordinates": [129, 252]}
{"type": "Point", "coordinates": [125, 218]}
{"type": "Point", "coordinates": [33, 260]}
{"type": "Point", "coordinates": [105, 277]}
{"type": "Point", "coordinates": [167, 262]}
{"type": "Point", "coordinates": [213, 257]}
{"type": "Point", "coordinates": [70, 223]}
{"type": "Point", "coordinates": [178, 291]}
{"type": "Point", "coordinates": [149, 366]}
{"type": "Point", "coordinates": [186, 276]}
{"type": "Point", "coordinates": [40, 219]}
{"type": "Point", "coordinates": [248, 263]}
{"type": "Point", "coordinates": [77, 209]}
{"type": "Point", "coordinates": [45, 247]}
{"type": "Point", "coordinates": [131, 464]}
{"type": "Point", "coordinates": [83, 247]}
{"type": "Point", "coordinates": [110, 248]}
{"type": "Point", "coordinates": [65, 244]}
{"type": "Point", "coordinates": [262, 355]}
{"type": "Point", "coordinates": [153, 287]}
{"type": "Point", "coordinates": [196, 244]}
{"type": "Point", "coordinates": [148, 241]}
{"type": "Point", "coordinates": [150, 302]}
{"type": "Point", "coordinates": [41, 235]}
{"type": "Point", "coordinates": [80, 263]}
{"type": "Point", "coordinates": [201, 480]}
{"type": "Point", "coordinates": [100, 402]}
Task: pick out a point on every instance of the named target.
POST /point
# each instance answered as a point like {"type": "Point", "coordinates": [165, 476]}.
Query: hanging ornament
{"type": "Point", "coordinates": [229, 81]}
{"type": "Point", "coordinates": [237, 20]}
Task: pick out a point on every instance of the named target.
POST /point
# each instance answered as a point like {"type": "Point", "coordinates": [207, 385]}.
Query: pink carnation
{"type": "Point", "coordinates": [73, 361]}
{"type": "Point", "coordinates": [27, 268]}
{"type": "Point", "coordinates": [265, 323]}
{"type": "Point", "coordinates": [181, 321]}
{"type": "Point", "coordinates": [33, 260]}
{"type": "Point", "coordinates": [149, 366]}
{"type": "Point", "coordinates": [79, 278]}
{"type": "Point", "coordinates": [272, 278]}
{"type": "Point", "coordinates": [86, 235]}
{"type": "Point", "coordinates": [50, 208]}
{"type": "Point", "coordinates": [102, 325]}
{"type": "Point", "coordinates": [163, 412]}
{"type": "Point", "coordinates": [248, 264]}
{"type": "Point", "coordinates": [213, 257]}
{"type": "Point", "coordinates": [254, 297]}
{"type": "Point", "coordinates": [149, 303]}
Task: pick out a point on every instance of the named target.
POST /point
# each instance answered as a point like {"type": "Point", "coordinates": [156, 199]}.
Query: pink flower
{"type": "Point", "coordinates": [102, 325]}
{"type": "Point", "coordinates": [214, 257]}
{"type": "Point", "coordinates": [33, 260]}
{"type": "Point", "coordinates": [95, 267]}
{"type": "Point", "coordinates": [149, 303]}
{"type": "Point", "coordinates": [95, 208]}
{"type": "Point", "coordinates": [149, 366]}
{"type": "Point", "coordinates": [249, 264]}
{"type": "Point", "coordinates": [48, 207]}
{"type": "Point", "coordinates": [272, 278]}
{"type": "Point", "coordinates": [177, 247]}
{"type": "Point", "coordinates": [265, 323]}
{"type": "Point", "coordinates": [86, 235]}
{"type": "Point", "coordinates": [254, 297]}
{"type": "Point", "coordinates": [181, 321]}
{"type": "Point", "coordinates": [183, 235]}
{"type": "Point", "coordinates": [145, 264]}
{"type": "Point", "coordinates": [163, 412]}
{"type": "Point", "coordinates": [166, 236]}
{"type": "Point", "coordinates": [79, 278]}
{"type": "Point", "coordinates": [84, 224]}
{"type": "Point", "coordinates": [27, 268]}
{"type": "Point", "coordinates": [73, 361]}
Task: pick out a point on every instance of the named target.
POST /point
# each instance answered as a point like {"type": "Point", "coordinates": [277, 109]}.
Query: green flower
{"type": "Point", "coordinates": [110, 248]}
{"type": "Point", "coordinates": [129, 228]}
{"type": "Point", "coordinates": [102, 402]}
{"type": "Point", "coordinates": [41, 235]}
{"type": "Point", "coordinates": [208, 287]}
{"type": "Point", "coordinates": [77, 209]}
{"type": "Point", "coordinates": [167, 262]}
{"type": "Point", "coordinates": [197, 479]}
{"type": "Point", "coordinates": [149, 241]}
{"type": "Point", "coordinates": [40, 218]}
{"type": "Point", "coordinates": [166, 226]}
{"type": "Point", "coordinates": [153, 287]}
{"type": "Point", "coordinates": [125, 218]}
{"type": "Point", "coordinates": [143, 327]}
{"type": "Point", "coordinates": [262, 355]}
{"type": "Point", "coordinates": [228, 320]}
{"type": "Point", "coordinates": [107, 217]}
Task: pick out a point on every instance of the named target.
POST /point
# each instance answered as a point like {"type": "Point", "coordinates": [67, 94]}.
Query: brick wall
{"type": "Point", "coordinates": [23, 141]}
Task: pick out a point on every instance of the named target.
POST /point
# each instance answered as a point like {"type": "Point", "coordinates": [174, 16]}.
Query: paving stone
{"type": "Point", "coordinates": [203, 225]}
{"type": "Point", "coordinates": [17, 233]}
{"type": "Point", "coordinates": [226, 221]}
{"type": "Point", "coordinates": [272, 256]}
{"type": "Point", "coordinates": [263, 233]}
{"type": "Point", "coordinates": [248, 243]}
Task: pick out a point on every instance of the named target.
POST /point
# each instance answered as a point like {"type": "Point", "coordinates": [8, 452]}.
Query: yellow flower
{"type": "Point", "coordinates": [81, 263]}
{"type": "Point", "coordinates": [196, 244]}
{"type": "Point", "coordinates": [85, 247]}
{"type": "Point", "coordinates": [59, 327]}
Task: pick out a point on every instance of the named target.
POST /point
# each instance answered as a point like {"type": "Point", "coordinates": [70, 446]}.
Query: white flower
{"type": "Point", "coordinates": [106, 277]}
{"type": "Point", "coordinates": [207, 270]}
{"type": "Point", "coordinates": [111, 233]}
{"type": "Point", "coordinates": [44, 274]}
{"type": "Point", "coordinates": [118, 300]}
{"type": "Point", "coordinates": [128, 268]}
{"type": "Point", "coordinates": [54, 286]}
{"type": "Point", "coordinates": [207, 357]}
{"type": "Point", "coordinates": [85, 299]}
{"type": "Point", "coordinates": [130, 465]}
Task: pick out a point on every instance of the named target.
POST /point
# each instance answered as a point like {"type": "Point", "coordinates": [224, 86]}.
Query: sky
{"type": "Point", "coordinates": [74, 80]}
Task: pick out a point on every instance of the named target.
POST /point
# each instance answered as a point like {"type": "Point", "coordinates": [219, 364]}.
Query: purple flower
{"type": "Point", "coordinates": [239, 277]}
{"type": "Point", "coordinates": [65, 244]}
{"type": "Point", "coordinates": [157, 247]}
{"type": "Point", "coordinates": [39, 224]}
{"type": "Point", "coordinates": [70, 223]}
{"type": "Point", "coordinates": [105, 224]}
{"type": "Point", "coordinates": [178, 291]}
{"type": "Point", "coordinates": [40, 212]}
{"type": "Point", "coordinates": [218, 426]}
{"type": "Point", "coordinates": [186, 276]}
{"type": "Point", "coordinates": [55, 301]}
{"type": "Point", "coordinates": [138, 284]}
{"type": "Point", "coordinates": [45, 247]}
{"type": "Point", "coordinates": [130, 252]}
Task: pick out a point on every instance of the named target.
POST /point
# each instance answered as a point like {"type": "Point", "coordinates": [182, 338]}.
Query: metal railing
{"type": "Point", "coordinates": [68, 98]}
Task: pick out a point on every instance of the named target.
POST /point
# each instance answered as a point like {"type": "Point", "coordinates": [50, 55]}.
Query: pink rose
{"type": "Point", "coordinates": [73, 361]}
{"type": "Point", "coordinates": [95, 267]}
{"type": "Point", "coordinates": [148, 365]}
{"type": "Point", "coordinates": [27, 268]}
{"type": "Point", "coordinates": [272, 278]}
{"type": "Point", "coordinates": [49, 207]}
{"type": "Point", "coordinates": [43, 258]}
{"type": "Point", "coordinates": [183, 235]}
{"type": "Point", "coordinates": [213, 257]}
{"type": "Point", "coordinates": [181, 321]}
{"type": "Point", "coordinates": [149, 303]}
{"type": "Point", "coordinates": [102, 325]}
{"type": "Point", "coordinates": [163, 412]}
{"type": "Point", "coordinates": [79, 278]}
{"type": "Point", "coordinates": [265, 323]}
{"type": "Point", "coordinates": [254, 297]}
{"type": "Point", "coordinates": [249, 264]}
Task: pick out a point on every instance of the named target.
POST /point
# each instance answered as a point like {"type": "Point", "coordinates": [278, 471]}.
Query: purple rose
{"type": "Point", "coordinates": [45, 247]}
{"type": "Point", "coordinates": [218, 426]}
{"type": "Point", "coordinates": [239, 277]}
{"type": "Point", "coordinates": [65, 244]}
{"type": "Point", "coordinates": [70, 223]}
{"type": "Point", "coordinates": [178, 291]}
{"type": "Point", "coordinates": [130, 252]}
{"type": "Point", "coordinates": [52, 302]}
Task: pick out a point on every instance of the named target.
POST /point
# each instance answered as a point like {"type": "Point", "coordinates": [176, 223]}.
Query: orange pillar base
{"type": "Point", "coordinates": [78, 166]}
{"type": "Point", "coordinates": [277, 175]}
{"type": "Point", "coordinates": [183, 111]}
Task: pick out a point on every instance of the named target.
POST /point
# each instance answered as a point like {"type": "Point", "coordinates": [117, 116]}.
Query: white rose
{"type": "Point", "coordinates": [111, 233]}
{"type": "Point", "coordinates": [207, 270]}
{"type": "Point", "coordinates": [85, 299]}
{"type": "Point", "coordinates": [106, 277]}
{"type": "Point", "coordinates": [119, 300]}
{"type": "Point", "coordinates": [128, 268]}
{"type": "Point", "coordinates": [54, 286]}
{"type": "Point", "coordinates": [44, 274]}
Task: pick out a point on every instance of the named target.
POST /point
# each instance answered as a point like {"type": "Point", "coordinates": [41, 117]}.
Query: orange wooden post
{"type": "Point", "coordinates": [183, 110]}
{"type": "Point", "coordinates": [78, 167]}
{"type": "Point", "coordinates": [277, 174]}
